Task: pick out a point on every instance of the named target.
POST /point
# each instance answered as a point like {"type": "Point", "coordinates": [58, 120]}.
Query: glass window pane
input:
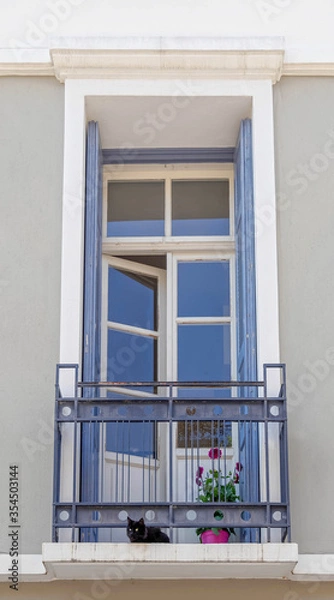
{"type": "Point", "coordinates": [131, 357]}
{"type": "Point", "coordinates": [204, 289]}
{"type": "Point", "coordinates": [200, 207]}
{"type": "Point", "coordinates": [204, 354]}
{"type": "Point", "coordinates": [135, 208]}
{"type": "Point", "coordinates": [132, 298]}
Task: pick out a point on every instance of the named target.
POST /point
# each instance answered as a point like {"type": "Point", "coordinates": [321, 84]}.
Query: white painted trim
{"type": "Point", "coordinates": [266, 266]}
{"type": "Point", "coordinates": [202, 320]}
{"type": "Point", "coordinates": [206, 255]}
{"type": "Point", "coordinates": [245, 64]}
{"type": "Point", "coordinates": [125, 246]}
{"type": "Point", "coordinates": [43, 69]}
{"type": "Point", "coordinates": [71, 309]}
{"type": "Point", "coordinates": [136, 267]}
{"type": "Point", "coordinates": [91, 561]}
{"type": "Point", "coordinates": [314, 567]}
{"type": "Point", "coordinates": [224, 57]}
{"type": "Point", "coordinates": [170, 336]}
{"type": "Point", "coordinates": [131, 392]}
{"type": "Point", "coordinates": [172, 561]}
{"type": "Point", "coordinates": [168, 207]}
{"type": "Point", "coordinates": [158, 244]}
{"type": "Point", "coordinates": [73, 202]}
{"type": "Point", "coordinates": [132, 267]}
{"type": "Point", "coordinates": [31, 568]}
{"type": "Point", "coordinates": [104, 318]}
{"type": "Point", "coordinates": [241, 58]}
{"type": "Point", "coordinates": [132, 329]}
{"type": "Point", "coordinates": [308, 69]}
{"type": "Point", "coordinates": [46, 69]}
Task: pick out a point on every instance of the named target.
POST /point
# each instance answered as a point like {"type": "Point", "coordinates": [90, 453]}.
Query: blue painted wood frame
{"type": "Point", "coordinates": [135, 156]}
{"type": "Point", "coordinates": [246, 312]}
{"type": "Point", "coordinates": [90, 433]}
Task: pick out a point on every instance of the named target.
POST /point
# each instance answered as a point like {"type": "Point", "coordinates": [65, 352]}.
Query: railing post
{"type": "Point", "coordinates": [171, 459]}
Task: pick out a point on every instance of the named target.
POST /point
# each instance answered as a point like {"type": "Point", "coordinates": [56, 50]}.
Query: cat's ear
{"type": "Point", "coordinates": [130, 521]}
{"type": "Point", "coordinates": [141, 521]}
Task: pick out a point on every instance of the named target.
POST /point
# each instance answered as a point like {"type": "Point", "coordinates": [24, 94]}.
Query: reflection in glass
{"type": "Point", "coordinates": [131, 357]}
{"type": "Point", "coordinates": [137, 439]}
{"type": "Point", "coordinates": [204, 289]}
{"type": "Point", "coordinates": [135, 208]}
{"type": "Point", "coordinates": [204, 354]}
{"type": "Point", "coordinates": [204, 434]}
{"type": "Point", "coordinates": [132, 298]}
{"type": "Point", "coordinates": [200, 207]}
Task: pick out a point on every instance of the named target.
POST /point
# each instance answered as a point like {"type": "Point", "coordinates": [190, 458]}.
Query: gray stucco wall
{"type": "Point", "coordinates": [31, 153]}
{"type": "Point", "coordinates": [304, 140]}
{"type": "Point", "coordinates": [31, 156]}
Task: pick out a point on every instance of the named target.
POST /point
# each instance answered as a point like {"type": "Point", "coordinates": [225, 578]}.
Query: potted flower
{"type": "Point", "coordinates": [216, 487]}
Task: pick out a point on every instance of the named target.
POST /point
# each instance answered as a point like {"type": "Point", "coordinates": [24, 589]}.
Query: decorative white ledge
{"type": "Point", "coordinates": [230, 58]}
{"type": "Point", "coordinates": [169, 561]}
{"type": "Point", "coordinates": [314, 567]}
{"type": "Point", "coordinates": [31, 567]}
{"type": "Point", "coordinates": [174, 561]}
{"type": "Point", "coordinates": [310, 69]}
{"type": "Point", "coordinates": [118, 57]}
{"type": "Point", "coordinates": [26, 70]}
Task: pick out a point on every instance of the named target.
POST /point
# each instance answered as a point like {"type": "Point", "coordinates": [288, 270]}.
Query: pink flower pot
{"type": "Point", "coordinates": [210, 537]}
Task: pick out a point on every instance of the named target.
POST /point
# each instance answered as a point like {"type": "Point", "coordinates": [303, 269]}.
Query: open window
{"type": "Point", "coordinates": [171, 295]}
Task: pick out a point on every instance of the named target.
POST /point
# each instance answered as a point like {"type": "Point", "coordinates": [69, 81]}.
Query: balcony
{"type": "Point", "coordinates": [136, 449]}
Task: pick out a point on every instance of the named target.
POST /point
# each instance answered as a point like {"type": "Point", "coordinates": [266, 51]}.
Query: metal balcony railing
{"type": "Point", "coordinates": [144, 450]}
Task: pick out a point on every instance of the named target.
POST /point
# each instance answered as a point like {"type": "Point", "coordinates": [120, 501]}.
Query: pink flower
{"type": "Point", "coordinates": [238, 467]}
{"type": "Point", "coordinates": [215, 453]}
{"type": "Point", "coordinates": [199, 474]}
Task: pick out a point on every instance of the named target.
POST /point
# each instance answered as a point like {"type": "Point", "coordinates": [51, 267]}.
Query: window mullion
{"type": "Point", "coordinates": [168, 207]}
{"type": "Point", "coordinates": [202, 320]}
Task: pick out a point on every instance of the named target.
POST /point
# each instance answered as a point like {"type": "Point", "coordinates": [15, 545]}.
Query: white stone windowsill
{"type": "Point", "coordinates": [66, 561]}
{"type": "Point", "coordinates": [169, 561]}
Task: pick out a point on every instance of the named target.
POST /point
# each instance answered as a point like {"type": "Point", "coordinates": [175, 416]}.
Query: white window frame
{"type": "Point", "coordinates": [76, 93]}
{"type": "Point", "coordinates": [175, 247]}
{"type": "Point", "coordinates": [168, 242]}
{"type": "Point", "coordinates": [159, 335]}
{"type": "Point", "coordinates": [208, 256]}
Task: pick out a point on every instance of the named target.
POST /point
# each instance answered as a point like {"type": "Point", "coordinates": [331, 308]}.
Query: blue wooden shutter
{"type": "Point", "coordinates": [93, 250]}
{"type": "Point", "coordinates": [246, 312]}
{"type": "Point", "coordinates": [92, 315]}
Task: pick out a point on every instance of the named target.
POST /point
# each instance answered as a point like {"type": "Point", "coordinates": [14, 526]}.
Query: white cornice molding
{"type": "Point", "coordinates": [48, 70]}
{"type": "Point", "coordinates": [26, 70]}
{"type": "Point", "coordinates": [160, 57]}
{"type": "Point", "coordinates": [228, 58]}
{"type": "Point", "coordinates": [309, 69]}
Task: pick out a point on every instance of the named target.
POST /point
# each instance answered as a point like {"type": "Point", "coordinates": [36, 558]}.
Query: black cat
{"type": "Point", "coordinates": [138, 532]}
